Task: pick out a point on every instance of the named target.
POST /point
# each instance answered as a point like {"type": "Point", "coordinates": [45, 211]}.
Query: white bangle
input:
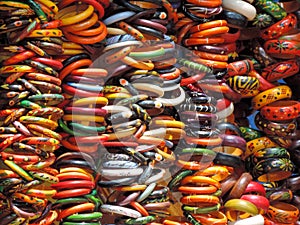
{"type": "Point", "coordinates": [121, 172]}
{"type": "Point", "coordinates": [106, 208]}
{"type": "Point", "coordinates": [254, 220]}
{"type": "Point", "coordinates": [157, 177]}
{"type": "Point", "coordinates": [116, 109]}
{"type": "Point", "coordinates": [174, 101]}
{"type": "Point", "coordinates": [159, 132]}
{"type": "Point", "coordinates": [118, 17]}
{"type": "Point", "coordinates": [241, 7]}
{"type": "Point", "coordinates": [149, 88]}
{"type": "Point", "coordinates": [122, 44]}
{"type": "Point", "coordinates": [225, 112]}
{"type": "Point", "coordinates": [171, 88]}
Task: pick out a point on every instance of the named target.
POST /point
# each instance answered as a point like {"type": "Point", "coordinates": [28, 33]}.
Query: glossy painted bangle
{"type": "Point", "coordinates": [280, 129]}
{"type": "Point", "coordinates": [255, 187]}
{"type": "Point", "coordinates": [229, 160]}
{"type": "Point", "coordinates": [119, 210]}
{"type": "Point", "coordinates": [258, 144]}
{"type": "Point", "coordinates": [273, 48]}
{"type": "Point", "coordinates": [200, 210]}
{"type": "Point", "coordinates": [273, 169]}
{"type": "Point", "coordinates": [239, 205]}
{"type": "Point", "coordinates": [271, 8]}
{"type": "Point", "coordinates": [260, 202]}
{"type": "Point", "coordinates": [217, 218]}
{"type": "Point", "coordinates": [281, 27]}
{"type": "Point", "coordinates": [282, 212]}
{"type": "Point", "coordinates": [72, 193]}
{"type": "Point", "coordinates": [271, 95]}
{"type": "Point", "coordinates": [240, 186]}
{"type": "Point", "coordinates": [280, 70]}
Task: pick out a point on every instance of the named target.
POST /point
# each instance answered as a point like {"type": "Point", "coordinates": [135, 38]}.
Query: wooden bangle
{"type": "Point", "coordinates": [271, 95]}
{"type": "Point", "coordinates": [210, 32]}
{"type": "Point", "coordinates": [242, 7]}
{"type": "Point", "coordinates": [202, 41]}
{"type": "Point", "coordinates": [282, 48]}
{"type": "Point", "coordinates": [205, 3]}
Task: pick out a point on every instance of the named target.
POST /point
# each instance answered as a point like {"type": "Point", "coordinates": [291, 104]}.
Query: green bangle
{"type": "Point", "coordinates": [29, 105]}
{"type": "Point", "coordinates": [92, 197]}
{"type": "Point", "coordinates": [79, 223]}
{"type": "Point", "coordinates": [217, 193]}
{"type": "Point", "coordinates": [147, 55]}
{"type": "Point", "coordinates": [271, 8]}
{"type": "Point", "coordinates": [199, 151]}
{"type": "Point", "coordinates": [90, 129]}
{"type": "Point", "coordinates": [82, 217]}
{"type": "Point", "coordinates": [250, 134]}
{"type": "Point", "coordinates": [38, 10]}
{"type": "Point", "coordinates": [141, 220]}
{"type": "Point", "coordinates": [197, 210]}
{"type": "Point", "coordinates": [68, 130]}
{"type": "Point", "coordinates": [175, 182]}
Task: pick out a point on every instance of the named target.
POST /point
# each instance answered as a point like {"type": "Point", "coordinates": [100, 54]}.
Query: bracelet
{"type": "Point", "coordinates": [273, 169]}
{"type": "Point", "coordinates": [277, 12]}
{"type": "Point", "coordinates": [280, 70]}
{"type": "Point", "coordinates": [260, 202]}
{"type": "Point", "coordinates": [254, 220]}
{"type": "Point", "coordinates": [119, 210]}
{"type": "Point", "coordinates": [212, 218]}
{"type": "Point", "coordinates": [273, 48]}
{"type": "Point", "coordinates": [281, 212]}
{"type": "Point", "coordinates": [240, 186]}
{"type": "Point", "coordinates": [244, 8]}
{"type": "Point", "coordinates": [258, 144]}
{"type": "Point", "coordinates": [281, 129]}
{"type": "Point", "coordinates": [255, 187]}
{"type": "Point", "coordinates": [271, 95]}
{"type": "Point", "coordinates": [281, 27]}
{"type": "Point", "coordinates": [239, 205]}
{"type": "Point", "coordinates": [234, 19]}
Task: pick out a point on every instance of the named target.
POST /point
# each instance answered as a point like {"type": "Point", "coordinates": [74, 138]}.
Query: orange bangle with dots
{"type": "Point", "coordinates": [271, 95]}
{"type": "Point", "coordinates": [258, 144]}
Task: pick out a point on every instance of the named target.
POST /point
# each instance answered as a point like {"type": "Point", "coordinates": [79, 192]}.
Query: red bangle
{"type": "Point", "coordinates": [282, 48]}
{"type": "Point", "coordinates": [79, 93]}
{"type": "Point", "coordinates": [212, 56]}
{"type": "Point", "coordinates": [87, 149]}
{"type": "Point", "coordinates": [72, 193]}
{"type": "Point", "coordinates": [259, 201]}
{"type": "Point", "coordinates": [222, 104]}
{"type": "Point", "coordinates": [255, 187]}
{"type": "Point", "coordinates": [192, 79]}
{"type": "Point", "coordinates": [280, 70]}
{"type": "Point", "coordinates": [263, 84]}
{"type": "Point", "coordinates": [281, 27]}
{"type": "Point", "coordinates": [231, 37]}
{"type": "Point", "coordinates": [73, 184]}
{"type": "Point", "coordinates": [210, 32]}
{"type": "Point", "coordinates": [57, 65]}
{"type": "Point", "coordinates": [281, 110]}
{"type": "Point", "coordinates": [15, 59]}
{"type": "Point", "coordinates": [206, 3]}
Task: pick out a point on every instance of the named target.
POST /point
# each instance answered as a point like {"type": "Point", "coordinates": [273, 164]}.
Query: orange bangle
{"type": "Point", "coordinates": [208, 25]}
{"type": "Point", "coordinates": [212, 63]}
{"type": "Point", "coordinates": [197, 190]}
{"type": "Point", "coordinates": [203, 41]}
{"type": "Point", "coordinates": [192, 165]}
{"type": "Point", "coordinates": [210, 32]}
{"type": "Point", "coordinates": [83, 25]}
{"type": "Point", "coordinates": [85, 40]}
{"type": "Point", "coordinates": [210, 199]}
{"type": "Point", "coordinates": [213, 218]}
{"type": "Point", "coordinates": [271, 95]}
{"type": "Point", "coordinates": [211, 56]}
{"type": "Point", "coordinates": [211, 141]}
{"type": "Point", "coordinates": [76, 209]}
{"type": "Point", "coordinates": [218, 173]}
{"type": "Point", "coordinates": [91, 32]}
{"type": "Point", "coordinates": [282, 212]}
{"type": "Point", "coordinates": [139, 208]}
{"type": "Point", "coordinates": [206, 3]}
{"type": "Point", "coordinates": [258, 144]}
{"type": "Point", "coordinates": [75, 65]}
{"type": "Point", "coordinates": [200, 180]}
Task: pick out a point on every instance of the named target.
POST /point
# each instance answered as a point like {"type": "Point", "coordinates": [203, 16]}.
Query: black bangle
{"type": "Point", "coordinates": [226, 126]}
{"type": "Point", "coordinates": [168, 83]}
{"type": "Point", "coordinates": [144, 13]}
{"type": "Point", "coordinates": [273, 169]}
{"type": "Point", "coordinates": [150, 31]}
{"type": "Point", "coordinates": [229, 160]}
{"type": "Point", "coordinates": [117, 182]}
{"type": "Point", "coordinates": [75, 58]}
{"type": "Point", "coordinates": [233, 19]}
{"type": "Point", "coordinates": [131, 6]}
{"type": "Point", "coordinates": [77, 163]}
{"type": "Point", "coordinates": [195, 18]}
{"type": "Point", "coordinates": [144, 78]}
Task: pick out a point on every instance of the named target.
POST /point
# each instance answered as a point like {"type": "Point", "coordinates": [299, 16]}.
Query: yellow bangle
{"type": "Point", "coordinates": [271, 95]}
{"type": "Point", "coordinates": [71, 45]}
{"type": "Point", "coordinates": [51, 5]}
{"type": "Point", "coordinates": [229, 150]}
{"type": "Point", "coordinates": [258, 144]}
{"type": "Point", "coordinates": [239, 205]}
{"type": "Point", "coordinates": [168, 123]}
{"type": "Point", "coordinates": [74, 117]}
{"type": "Point", "coordinates": [115, 31]}
{"type": "Point", "coordinates": [90, 100]}
{"type": "Point", "coordinates": [137, 64]}
{"type": "Point", "coordinates": [45, 33]}
{"type": "Point", "coordinates": [120, 134]}
{"type": "Point", "coordinates": [218, 173]}
{"type": "Point", "coordinates": [169, 156]}
{"type": "Point", "coordinates": [63, 14]}
{"type": "Point", "coordinates": [138, 187]}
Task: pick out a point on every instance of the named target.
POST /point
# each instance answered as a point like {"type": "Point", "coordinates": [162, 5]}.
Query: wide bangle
{"type": "Point", "coordinates": [241, 206]}
{"type": "Point", "coordinates": [273, 169]}
{"type": "Point", "coordinates": [279, 129]}
{"type": "Point", "coordinates": [271, 8]}
{"type": "Point", "coordinates": [281, 27]}
{"type": "Point", "coordinates": [271, 95]}
{"type": "Point", "coordinates": [282, 212]}
{"type": "Point", "coordinates": [260, 202]}
{"type": "Point", "coordinates": [274, 48]}
{"type": "Point", "coordinates": [240, 186]}
{"type": "Point", "coordinates": [242, 7]}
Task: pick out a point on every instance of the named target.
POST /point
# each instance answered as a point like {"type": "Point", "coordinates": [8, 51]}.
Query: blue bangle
{"type": "Point", "coordinates": [118, 17]}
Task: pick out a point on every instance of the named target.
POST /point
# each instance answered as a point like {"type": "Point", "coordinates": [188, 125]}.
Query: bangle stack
{"type": "Point", "coordinates": [30, 93]}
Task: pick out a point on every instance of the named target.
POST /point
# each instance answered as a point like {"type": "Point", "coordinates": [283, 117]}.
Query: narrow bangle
{"type": "Point", "coordinates": [119, 210]}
